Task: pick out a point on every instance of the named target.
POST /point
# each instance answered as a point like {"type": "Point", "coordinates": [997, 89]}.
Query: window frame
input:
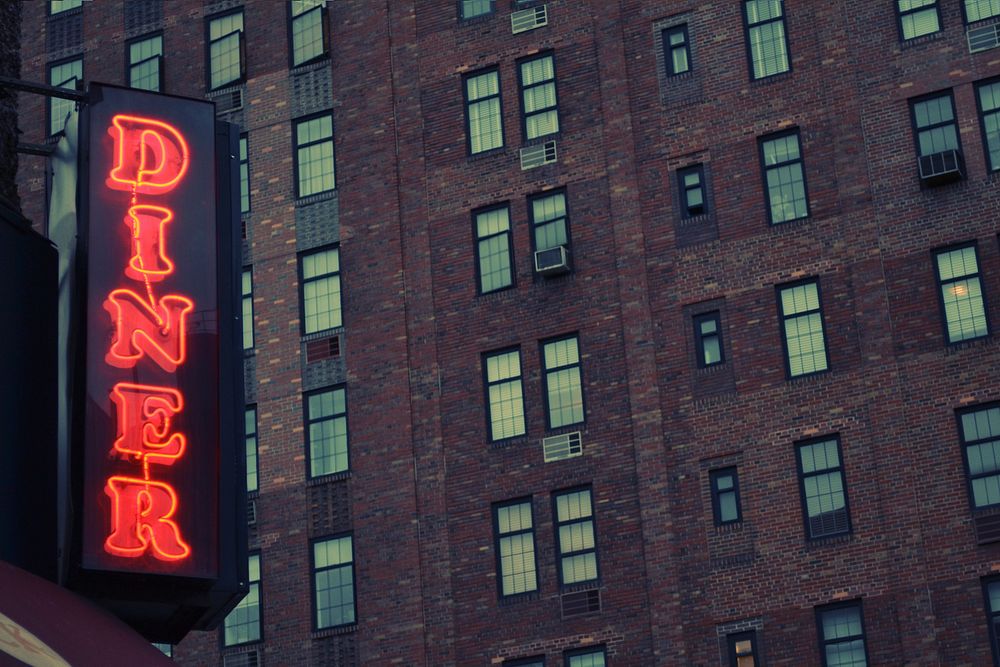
{"type": "Point", "coordinates": [468, 118]}
{"type": "Point", "coordinates": [49, 12]}
{"type": "Point", "coordinates": [308, 421]}
{"type": "Point", "coordinates": [590, 650]}
{"type": "Point", "coordinates": [992, 617]}
{"type": "Point", "coordinates": [497, 536]}
{"type": "Point", "coordinates": [840, 469]}
{"type": "Point", "coordinates": [781, 325]}
{"type": "Point", "coordinates": [716, 492]}
{"type": "Point", "coordinates": [48, 78]}
{"type": "Point", "coordinates": [538, 660]}
{"type": "Point", "coordinates": [312, 579]}
{"type": "Point", "coordinates": [296, 148]}
{"type": "Point", "coordinates": [764, 169]}
{"type": "Point", "coordinates": [992, 81]}
{"type": "Point", "coordinates": [478, 240]}
{"type": "Point", "coordinates": [965, 445]}
{"type": "Point", "coordinates": [486, 392]}
{"type": "Point", "coordinates": [302, 288]}
{"type": "Point", "coordinates": [821, 635]}
{"type": "Point", "coordinates": [534, 224]}
{"type": "Point", "coordinates": [525, 139]}
{"type": "Point", "coordinates": [560, 554]}
{"type": "Point", "coordinates": [682, 190]}
{"type": "Point", "coordinates": [208, 49]}
{"type": "Point", "coordinates": [324, 31]}
{"type": "Point", "coordinates": [260, 605]}
{"type": "Point", "coordinates": [246, 297]}
{"type": "Point", "coordinates": [252, 407]}
{"type": "Point", "coordinates": [941, 285]}
{"type": "Point", "coordinates": [668, 49]}
{"type": "Point", "coordinates": [159, 67]}
{"type": "Point", "coordinates": [965, 15]}
{"type": "Point", "coordinates": [245, 169]}
{"type": "Point", "coordinates": [916, 130]}
{"type": "Point", "coordinates": [747, 28]}
{"type": "Point", "coordinates": [546, 371]}
{"type": "Point", "coordinates": [900, 14]}
{"type": "Point", "coordinates": [700, 337]}
{"type": "Point", "coordinates": [463, 17]}
{"type": "Point", "coordinates": [733, 638]}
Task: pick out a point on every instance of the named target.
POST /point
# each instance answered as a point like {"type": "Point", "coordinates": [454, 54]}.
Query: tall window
{"type": "Point", "coordinates": [991, 590]}
{"type": "Point", "coordinates": [326, 431]}
{"type": "Point", "coordinates": [308, 34]}
{"type": "Point", "coordinates": [549, 220]}
{"type": "Point", "coordinates": [321, 291]}
{"type": "Point", "coordinates": [586, 658]}
{"type": "Point", "coordinates": [676, 49]}
{"type": "Point", "coordinates": [482, 111]}
{"type": "Point", "coordinates": [977, 10]}
{"type": "Point", "coordinates": [725, 486]}
{"type": "Point", "coordinates": [504, 396]}
{"type": "Point", "coordinates": [247, 308]}
{"type": "Point", "coordinates": [708, 339]}
{"type": "Point", "coordinates": [145, 58]}
{"type": "Point", "coordinates": [57, 6]}
{"type": "Point", "coordinates": [539, 105]}
{"type": "Point", "coordinates": [934, 120]}
{"type": "Point", "coordinates": [314, 160]}
{"type": "Point", "coordinates": [979, 429]}
{"type": "Point", "coordinates": [333, 582]}
{"type": "Point", "coordinates": [242, 625]}
{"type": "Point", "coordinates": [250, 433]}
{"type": "Point", "coordinates": [226, 50]}
{"type": "Point", "coordinates": [244, 175]}
{"type": "Point", "coordinates": [918, 17]}
{"type": "Point", "coordinates": [576, 542]}
{"type": "Point", "coordinates": [821, 476]}
{"type": "Point", "coordinates": [515, 537]}
{"type": "Point", "coordinates": [802, 326]}
{"type": "Point", "coordinates": [988, 98]}
{"type": "Point", "coordinates": [743, 650]}
{"type": "Point", "coordinates": [494, 249]}
{"type": "Point", "coordinates": [766, 40]}
{"type": "Point", "coordinates": [563, 386]}
{"type": "Point", "coordinates": [469, 8]}
{"type": "Point", "coordinates": [842, 635]}
{"type": "Point", "coordinates": [962, 301]}
{"type": "Point", "coordinates": [691, 186]}
{"type": "Point", "coordinates": [63, 75]}
{"type": "Point", "coordinates": [784, 177]}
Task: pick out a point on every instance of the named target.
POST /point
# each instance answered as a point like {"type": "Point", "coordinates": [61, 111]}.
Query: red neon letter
{"type": "Point", "coordinates": [141, 329]}
{"type": "Point", "coordinates": [144, 417]}
{"type": "Point", "coordinates": [149, 253]}
{"type": "Point", "coordinates": [150, 156]}
{"type": "Point", "coordinates": [141, 513]}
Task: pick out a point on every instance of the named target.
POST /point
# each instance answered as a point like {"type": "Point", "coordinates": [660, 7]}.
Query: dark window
{"type": "Point", "coordinates": [563, 385]}
{"type": "Point", "coordinates": [250, 433]}
{"type": "Point", "coordinates": [725, 496]}
{"type": "Point", "coordinates": [691, 185]}
{"type": "Point", "coordinates": [314, 160]}
{"type": "Point", "coordinates": [326, 431]}
{"type": "Point", "coordinates": [321, 309]}
{"type": "Point", "coordinates": [743, 651]}
{"type": "Point", "coordinates": [977, 10]}
{"type": "Point", "coordinates": [934, 120]}
{"type": "Point", "coordinates": [493, 249]}
{"type": "Point", "coordinates": [590, 657]}
{"type": "Point", "coordinates": [470, 8]}
{"type": "Point", "coordinates": [962, 301]}
{"type": "Point", "coordinates": [708, 339]}
{"type": "Point", "coordinates": [766, 40]}
{"type": "Point", "coordinates": [991, 591]}
{"type": "Point", "coordinates": [333, 582]}
{"type": "Point", "coordinates": [784, 177]}
{"type": "Point", "coordinates": [988, 99]}
{"type": "Point", "coordinates": [57, 6]}
{"type": "Point", "coordinates": [539, 105]}
{"type": "Point", "coordinates": [525, 662]}
{"type": "Point", "coordinates": [145, 59]}
{"type": "Point", "coordinates": [979, 429]}
{"type": "Point", "coordinates": [676, 50]}
{"type": "Point", "coordinates": [576, 540]}
{"type": "Point", "coordinates": [802, 328]}
{"type": "Point", "coordinates": [244, 175]}
{"type": "Point", "coordinates": [515, 536]}
{"type": "Point", "coordinates": [243, 624]}
{"type": "Point", "coordinates": [918, 17]}
{"type": "Point", "coordinates": [165, 649]}
{"type": "Point", "coordinates": [549, 220]}
{"type": "Point", "coordinates": [247, 297]}
{"type": "Point", "coordinates": [824, 492]}
{"type": "Point", "coordinates": [63, 75]}
{"type": "Point", "coordinates": [842, 635]}
{"type": "Point", "coordinates": [308, 34]}
{"type": "Point", "coordinates": [504, 396]}
{"type": "Point", "coordinates": [482, 111]}
{"type": "Point", "coordinates": [226, 50]}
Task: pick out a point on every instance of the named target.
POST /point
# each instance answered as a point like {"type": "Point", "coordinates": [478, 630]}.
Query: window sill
{"type": "Point", "coordinates": [820, 542]}
{"type": "Point", "coordinates": [320, 335]}
{"type": "Point", "coordinates": [540, 139]}
{"type": "Point", "coordinates": [921, 40]}
{"type": "Point", "coordinates": [710, 370]}
{"type": "Point", "coordinates": [332, 632]}
{"type": "Point", "coordinates": [319, 62]}
{"type": "Point", "coordinates": [592, 585]}
{"type": "Point", "coordinates": [962, 345]}
{"type": "Point", "coordinates": [518, 598]}
{"type": "Point", "coordinates": [477, 19]}
{"type": "Point", "coordinates": [808, 377]}
{"type": "Point", "coordinates": [482, 155]}
{"type": "Point", "coordinates": [729, 528]}
{"type": "Point", "coordinates": [329, 479]}
{"type": "Point", "coordinates": [785, 224]}
{"type": "Point", "coordinates": [772, 78]}
{"type": "Point", "coordinates": [509, 442]}
{"type": "Point", "coordinates": [226, 88]}
{"type": "Point", "coordinates": [240, 649]}
{"type": "Point", "coordinates": [250, 353]}
{"type": "Point", "coordinates": [693, 220]}
{"type": "Point", "coordinates": [316, 197]}
{"type": "Point", "coordinates": [682, 76]}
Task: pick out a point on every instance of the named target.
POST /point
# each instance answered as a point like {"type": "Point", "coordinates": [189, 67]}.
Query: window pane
{"type": "Point", "coordinates": [472, 8]}
{"type": "Point", "coordinates": [65, 75]}
{"type": "Point", "coordinates": [307, 30]}
{"type": "Point", "coordinates": [976, 10]}
{"type": "Point", "coordinates": [226, 65]}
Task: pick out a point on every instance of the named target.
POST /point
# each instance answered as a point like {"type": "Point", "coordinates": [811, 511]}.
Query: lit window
{"type": "Point", "coordinates": [802, 325]}
{"type": "Point", "coordinates": [586, 658]}
{"type": "Point", "coordinates": [988, 97]}
{"type": "Point", "coordinates": [242, 625]}
{"type": "Point", "coordinates": [765, 24]}
{"type": "Point", "coordinates": [743, 649]}
{"type": "Point", "coordinates": [321, 291]}
{"type": "Point", "coordinates": [145, 56]}
{"type": "Point", "coordinates": [57, 6]}
{"type": "Point", "coordinates": [244, 175]}
{"type": "Point", "coordinates": [962, 300]}
{"type": "Point", "coordinates": [708, 339]}
{"type": "Point", "coordinates": [677, 52]}
{"type": "Point", "coordinates": [314, 155]}
{"type": "Point", "coordinates": [505, 399]}
{"type": "Point", "coordinates": [842, 635]}
{"type": "Point", "coordinates": [226, 51]}
{"type": "Point", "coordinates": [691, 185]}
{"type": "Point", "coordinates": [470, 8]}
{"type": "Point", "coordinates": [563, 386]}
{"type": "Point", "coordinates": [539, 106]}
{"type": "Point", "coordinates": [515, 536]}
{"type": "Point", "coordinates": [308, 34]}
{"type": "Point", "coordinates": [977, 10]}
{"type": "Point", "coordinates": [63, 75]}
{"type": "Point", "coordinates": [494, 249]}
{"type": "Point", "coordinates": [482, 111]}
{"type": "Point", "coordinates": [576, 543]}
{"type": "Point", "coordinates": [247, 309]}
{"type": "Point", "coordinates": [549, 220]}
{"type": "Point", "coordinates": [821, 476]}
{"type": "Point", "coordinates": [979, 429]}
{"type": "Point", "coordinates": [784, 177]}
{"type": "Point", "coordinates": [918, 17]}
{"type": "Point", "coordinates": [934, 119]}
{"type": "Point", "coordinates": [165, 649]}
{"type": "Point", "coordinates": [250, 431]}
{"type": "Point", "coordinates": [326, 431]}
{"type": "Point", "coordinates": [333, 582]}
{"type": "Point", "coordinates": [725, 486]}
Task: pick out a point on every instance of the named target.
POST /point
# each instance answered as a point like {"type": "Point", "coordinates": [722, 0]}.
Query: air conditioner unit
{"type": "Point", "coordinates": [562, 446]}
{"type": "Point", "coordinates": [536, 156]}
{"type": "Point", "coordinates": [984, 38]}
{"type": "Point", "coordinates": [229, 101]}
{"type": "Point", "coordinates": [529, 19]}
{"type": "Point", "coordinates": [552, 261]}
{"type": "Point", "coordinates": [943, 167]}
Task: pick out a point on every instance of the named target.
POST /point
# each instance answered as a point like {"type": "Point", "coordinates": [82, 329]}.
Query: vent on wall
{"type": "Point", "coordinates": [581, 602]}
{"type": "Point", "coordinates": [324, 348]}
{"type": "Point", "coordinates": [241, 660]}
{"type": "Point", "coordinates": [229, 101]}
{"type": "Point", "coordinates": [252, 512]}
{"type": "Point", "coordinates": [529, 19]}
{"type": "Point", "coordinates": [984, 38]}
{"type": "Point", "coordinates": [562, 446]}
{"type": "Point", "coordinates": [536, 156]}
{"type": "Point", "coordinates": [987, 528]}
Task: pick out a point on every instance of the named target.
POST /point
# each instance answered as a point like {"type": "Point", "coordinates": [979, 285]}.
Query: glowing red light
{"type": "Point", "coordinates": [156, 331]}
{"type": "Point", "coordinates": [151, 156]}
{"type": "Point", "coordinates": [149, 248]}
{"type": "Point", "coordinates": [141, 519]}
{"type": "Point", "coordinates": [145, 415]}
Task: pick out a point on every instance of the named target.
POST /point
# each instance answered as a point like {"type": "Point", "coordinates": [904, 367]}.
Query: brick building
{"type": "Point", "coordinates": [647, 332]}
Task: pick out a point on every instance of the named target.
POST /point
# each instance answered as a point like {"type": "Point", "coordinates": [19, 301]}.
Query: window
{"type": "Point", "coordinates": [988, 99]}
{"type": "Point", "coordinates": [482, 111]}
{"type": "Point", "coordinates": [918, 17]}
{"type": "Point", "coordinates": [979, 429]}
{"type": "Point", "coordinates": [934, 120]}
{"type": "Point", "coordinates": [515, 535]}
{"type": "Point", "coordinates": [244, 175]}
{"type": "Point", "coordinates": [766, 41]}
{"type": "Point", "coordinates": [242, 625]}
{"type": "Point", "coordinates": [842, 635]}
{"type": "Point", "coordinates": [57, 6]}
{"type": "Point", "coordinates": [470, 8]}
{"type": "Point", "coordinates": [691, 185]}
{"type": "Point", "coordinates": [504, 396]}
{"type": "Point", "coordinates": [525, 662]}
{"type": "Point", "coordinates": [314, 163]}
{"type": "Point", "coordinates": [63, 75]}
{"type": "Point", "coordinates": [247, 290]}
{"type": "Point", "coordinates": [326, 431]}
{"type": "Point", "coordinates": [725, 496]}
{"type": "Point", "coordinates": [784, 178]}
{"type": "Point", "coordinates": [824, 494]}
{"type": "Point", "coordinates": [333, 582]}
{"type": "Point", "coordinates": [321, 291]}
{"type": "Point", "coordinates": [493, 249]}
{"type": "Point", "coordinates": [962, 301]}
{"type": "Point", "coordinates": [250, 435]}
{"type": "Point", "coordinates": [676, 51]}
{"type": "Point", "coordinates": [586, 658]}
{"type": "Point", "coordinates": [802, 324]}
{"type": "Point", "coordinates": [991, 590]}
{"type": "Point", "coordinates": [708, 339]}
{"type": "Point", "coordinates": [539, 106]}
{"type": "Point", "coordinates": [576, 544]}
{"type": "Point", "coordinates": [563, 387]}
{"type": "Point", "coordinates": [743, 649]}
{"type": "Point", "coordinates": [145, 57]}
{"type": "Point", "coordinates": [226, 51]}
{"type": "Point", "coordinates": [165, 649]}
{"type": "Point", "coordinates": [549, 220]}
{"type": "Point", "coordinates": [308, 33]}
{"type": "Point", "coordinates": [977, 10]}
